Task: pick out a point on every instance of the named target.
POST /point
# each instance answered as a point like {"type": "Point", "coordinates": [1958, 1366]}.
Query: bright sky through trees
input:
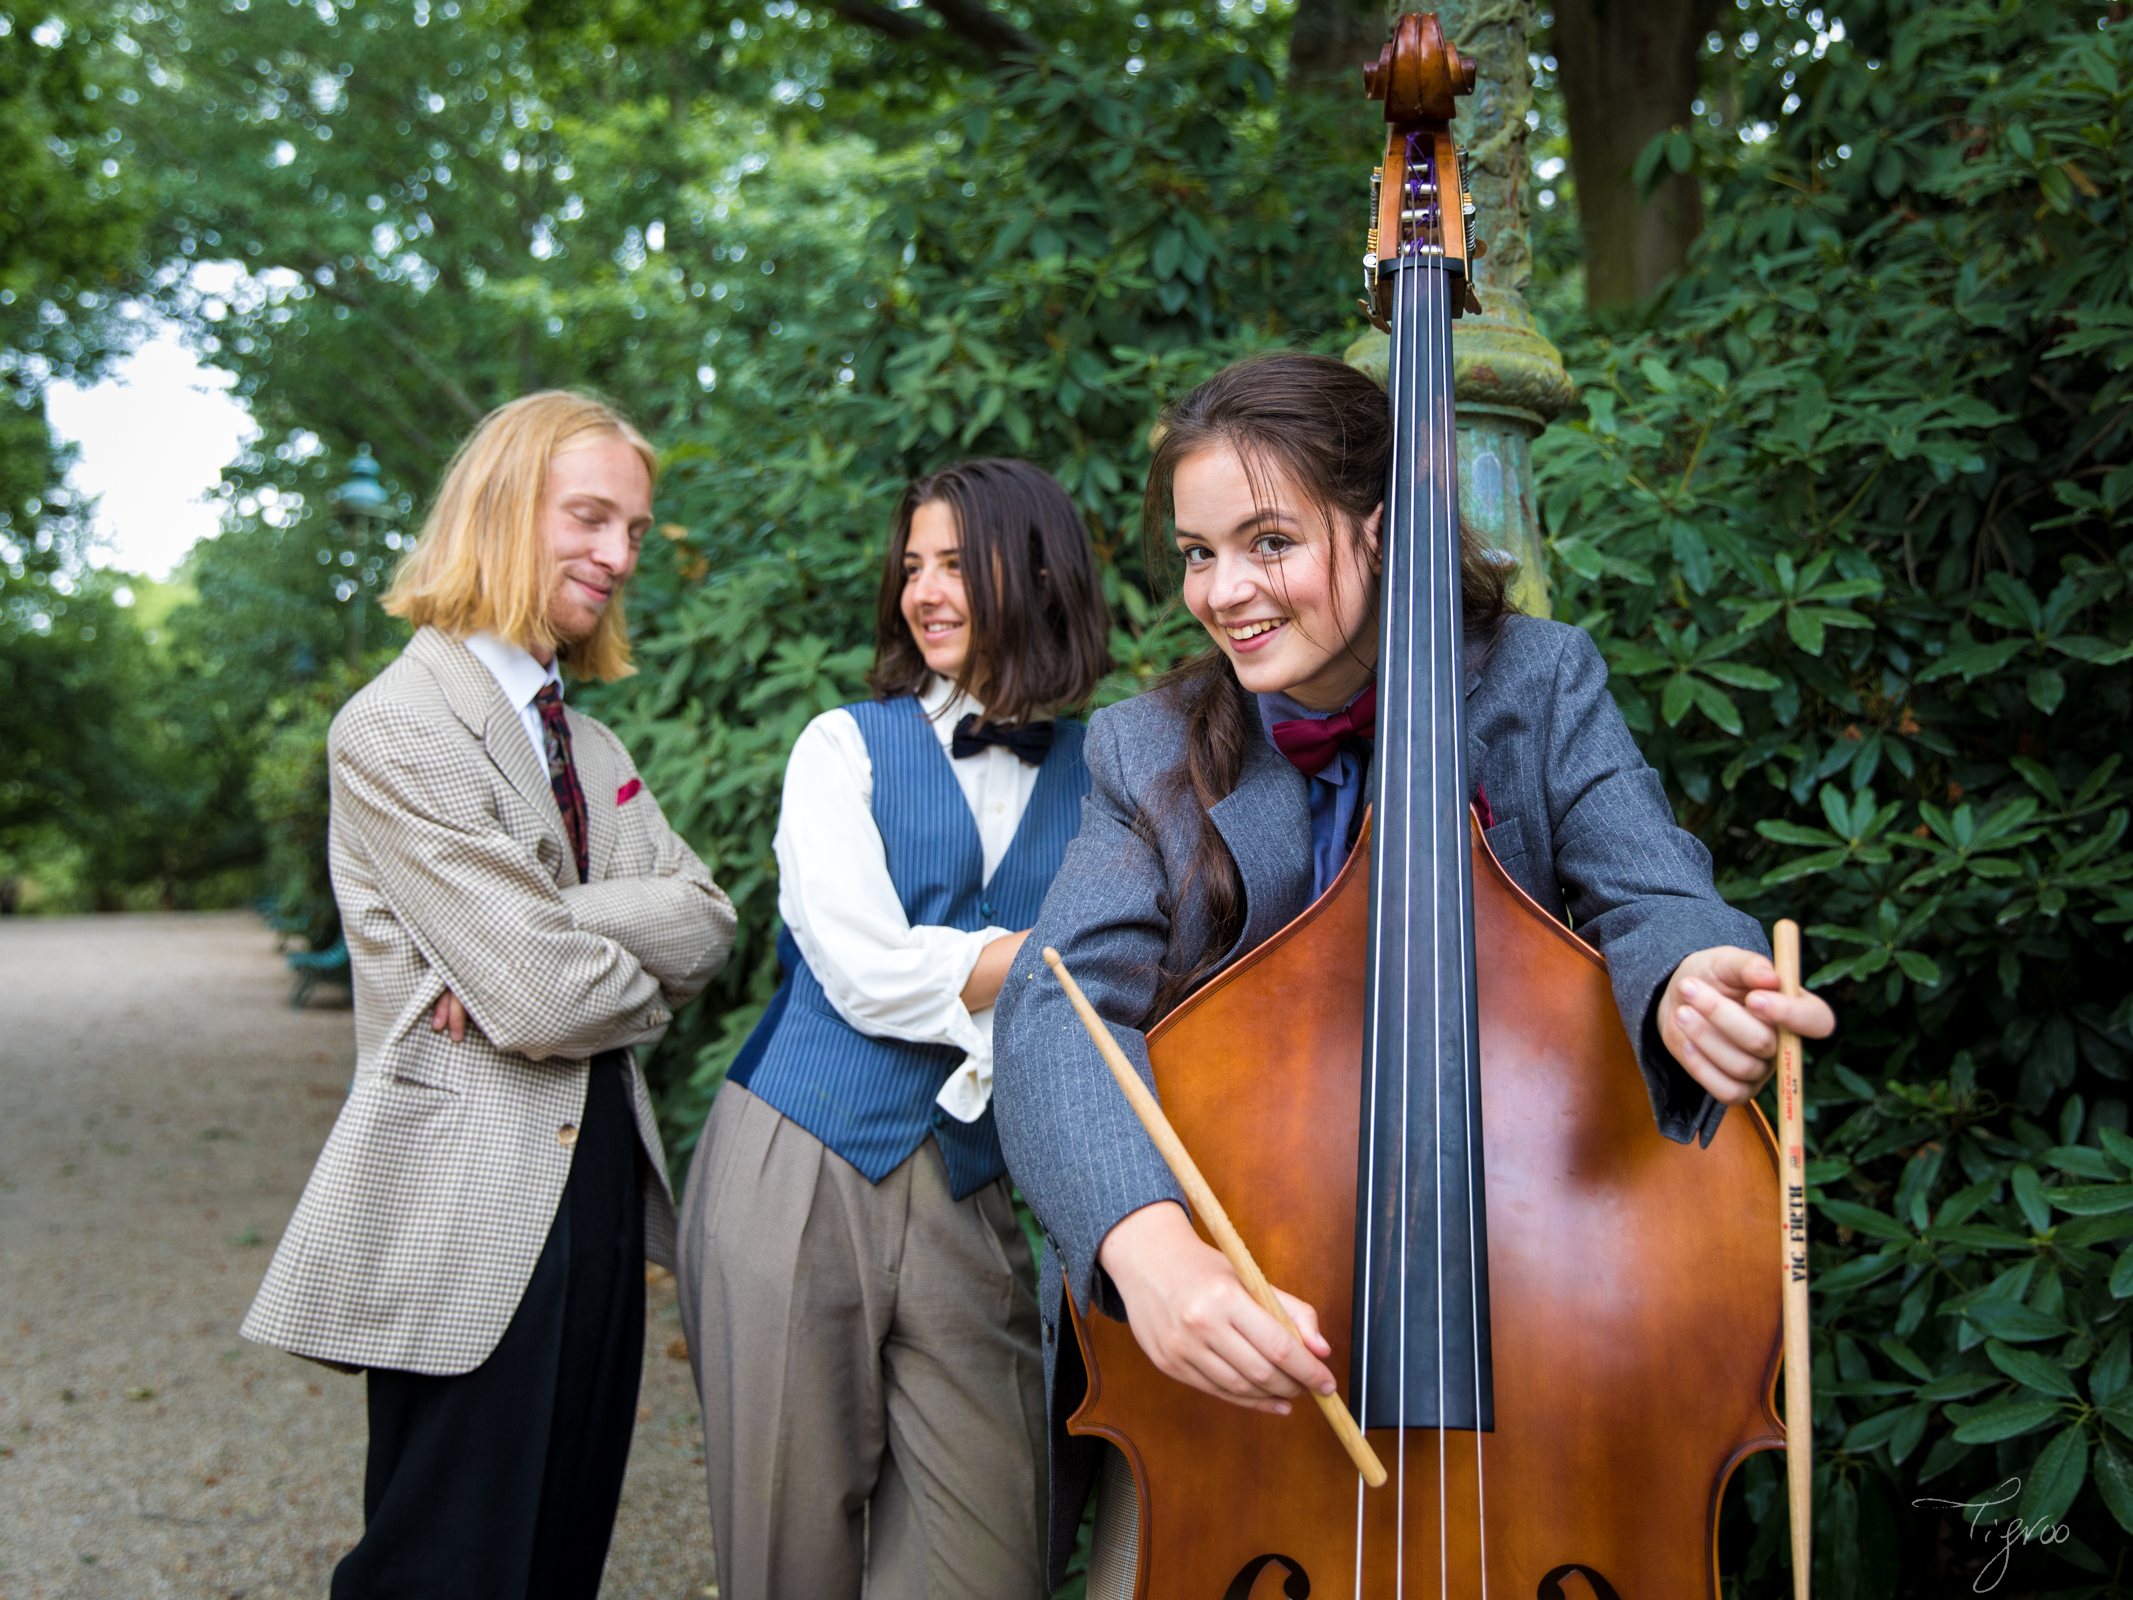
{"type": "Point", "coordinates": [153, 439]}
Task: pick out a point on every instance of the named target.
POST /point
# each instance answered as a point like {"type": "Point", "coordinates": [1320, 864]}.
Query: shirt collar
{"type": "Point", "coordinates": [945, 706]}
{"type": "Point", "coordinates": [514, 668]}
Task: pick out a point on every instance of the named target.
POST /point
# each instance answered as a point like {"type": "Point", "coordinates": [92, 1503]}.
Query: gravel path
{"type": "Point", "coordinates": [160, 1108]}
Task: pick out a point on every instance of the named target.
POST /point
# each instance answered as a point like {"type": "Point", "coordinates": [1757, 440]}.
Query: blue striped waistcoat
{"type": "Point", "coordinates": [871, 1100]}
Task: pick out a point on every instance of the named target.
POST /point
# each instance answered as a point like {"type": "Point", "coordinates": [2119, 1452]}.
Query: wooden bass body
{"type": "Point", "coordinates": [1635, 1318]}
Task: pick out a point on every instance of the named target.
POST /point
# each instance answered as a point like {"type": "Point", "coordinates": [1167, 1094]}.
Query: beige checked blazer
{"type": "Point", "coordinates": [420, 1226]}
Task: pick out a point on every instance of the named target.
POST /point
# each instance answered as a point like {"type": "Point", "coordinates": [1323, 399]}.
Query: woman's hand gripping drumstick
{"type": "Point", "coordinates": [1210, 1212]}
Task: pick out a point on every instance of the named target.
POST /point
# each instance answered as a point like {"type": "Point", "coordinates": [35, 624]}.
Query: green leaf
{"type": "Point", "coordinates": [1717, 705]}
{"type": "Point", "coordinates": [2114, 1482]}
{"type": "Point", "coordinates": [1919, 968]}
{"type": "Point", "coordinates": [1646, 167]}
{"type": "Point", "coordinates": [2122, 1276]}
{"type": "Point", "coordinates": [1805, 628]}
{"type": "Point", "coordinates": [1807, 867]}
{"type": "Point", "coordinates": [1740, 676]}
{"type": "Point", "coordinates": [2057, 1476]}
{"type": "Point", "coordinates": [2017, 1323]}
{"type": "Point", "coordinates": [1910, 1431]}
{"type": "Point", "coordinates": [1876, 1430]}
{"type": "Point", "coordinates": [1888, 172]}
{"type": "Point", "coordinates": [1838, 812]}
{"type": "Point", "coordinates": [1973, 661]}
{"type": "Point", "coordinates": [1907, 1358]}
{"type": "Point", "coordinates": [1168, 252]}
{"type": "Point", "coordinates": [1864, 1219]}
{"type": "Point", "coordinates": [1980, 1236]}
{"type": "Point", "coordinates": [2029, 1195]}
{"type": "Point", "coordinates": [1858, 1272]}
{"type": "Point", "coordinates": [1793, 833]}
{"type": "Point", "coordinates": [2082, 1160]}
{"type": "Point", "coordinates": [2006, 1419]}
{"type": "Point", "coordinates": [2093, 1199]}
{"type": "Point", "coordinates": [1958, 1386]}
{"type": "Point", "coordinates": [2118, 1411]}
{"type": "Point", "coordinates": [1680, 695]}
{"type": "Point", "coordinates": [2028, 1368]}
{"type": "Point", "coordinates": [2109, 1373]}
{"type": "Point", "coordinates": [2084, 1231]}
{"type": "Point", "coordinates": [2046, 689]}
{"type": "Point", "coordinates": [2119, 1146]}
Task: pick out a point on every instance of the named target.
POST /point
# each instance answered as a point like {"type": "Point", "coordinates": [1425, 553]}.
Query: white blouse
{"type": "Point", "coordinates": [885, 977]}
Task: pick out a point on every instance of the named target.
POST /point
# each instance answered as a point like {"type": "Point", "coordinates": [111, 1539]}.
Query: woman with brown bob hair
{"type": "Point", "coordinates": [858, 1293]}
{"type": "Point", "coordinates": [1226, 800]}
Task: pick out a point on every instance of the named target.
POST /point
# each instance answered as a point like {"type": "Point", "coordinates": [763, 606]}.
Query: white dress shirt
{"type": "Point", "coordinates": [521, 678]}
{"type": "Point", "coordinates": [885, 977]}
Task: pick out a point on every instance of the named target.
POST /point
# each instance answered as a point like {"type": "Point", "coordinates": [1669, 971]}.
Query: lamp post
{"type": "Point", "coordinates": [358, 505]}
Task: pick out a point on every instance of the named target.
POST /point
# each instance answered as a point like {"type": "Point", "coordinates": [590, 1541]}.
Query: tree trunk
{"type": "Point", "coordinates": [1628, 73]}
{"type": "Point", "coordinates": [1328, 43]}
{"type": "Point", "coordinates": [1326, 119]}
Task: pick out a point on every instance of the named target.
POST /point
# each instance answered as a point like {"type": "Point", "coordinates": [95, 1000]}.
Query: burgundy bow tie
{"type": "Point", "coordinates": [1312, 742]}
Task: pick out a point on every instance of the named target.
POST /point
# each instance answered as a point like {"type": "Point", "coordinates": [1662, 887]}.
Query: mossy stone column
{"type": "Point", "coordinates": [1509, 380]}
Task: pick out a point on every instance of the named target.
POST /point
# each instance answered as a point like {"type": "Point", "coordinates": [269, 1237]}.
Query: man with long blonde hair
{"type": "Point", "coordinates": [518, 915]}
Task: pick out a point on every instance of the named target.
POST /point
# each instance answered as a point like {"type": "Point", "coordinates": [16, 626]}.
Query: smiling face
{"type": "Point", "coordinates": [934, 605]}
{"type": "Point", "coordinates": [593, 515]}
{"type": "Point", "coordinates": [1288, 590]}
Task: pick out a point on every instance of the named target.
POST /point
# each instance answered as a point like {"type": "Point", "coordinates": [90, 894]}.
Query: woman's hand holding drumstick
{"type": "Point", "coordinates": [1210, 1212]}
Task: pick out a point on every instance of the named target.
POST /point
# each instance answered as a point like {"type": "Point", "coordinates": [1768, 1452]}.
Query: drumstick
{"type": "Point", "coordinates": [1210, 1212]}
{"type": "Point", "coordinates": [1792, 1155]}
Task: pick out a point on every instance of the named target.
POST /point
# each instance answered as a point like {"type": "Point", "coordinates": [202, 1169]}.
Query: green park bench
{"type": "Point", "coordinates": [313, 967]}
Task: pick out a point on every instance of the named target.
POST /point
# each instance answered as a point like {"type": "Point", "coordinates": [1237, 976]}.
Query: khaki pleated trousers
{"type": "Point", "coordinates": [867, 1356]}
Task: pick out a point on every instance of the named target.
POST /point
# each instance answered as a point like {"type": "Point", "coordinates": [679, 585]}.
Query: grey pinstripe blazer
{"type": "Point", "coordinates": [433, 1196]}
{"type": "Point", "coordinates": [1582, 824]}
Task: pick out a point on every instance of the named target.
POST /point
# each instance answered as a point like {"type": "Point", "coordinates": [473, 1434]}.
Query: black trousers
{"type": "Point", "coordinates": [501, 1483]}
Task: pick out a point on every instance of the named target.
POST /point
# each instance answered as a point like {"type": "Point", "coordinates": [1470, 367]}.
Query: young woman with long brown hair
{"type": "Point", "coordinates": [1227, 799]}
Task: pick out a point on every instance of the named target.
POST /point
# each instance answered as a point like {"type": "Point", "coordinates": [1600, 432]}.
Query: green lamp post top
{"type": "Point", "coordinates": [362, 495]}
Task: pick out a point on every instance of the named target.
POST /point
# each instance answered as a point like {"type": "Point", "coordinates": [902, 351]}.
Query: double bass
{"type": "Point", "coordinates": [1557, 1330]}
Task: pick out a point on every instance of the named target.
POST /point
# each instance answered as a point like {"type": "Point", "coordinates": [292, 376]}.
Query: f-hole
{"type": "Point", "coordinates": [1551, 1584]}
{"type": "Point", "coordinates": [1295, 1582]}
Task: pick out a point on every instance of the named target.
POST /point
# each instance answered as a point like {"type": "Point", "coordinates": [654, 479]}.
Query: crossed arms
{"type": "Point", "coordinates": [542, 971]}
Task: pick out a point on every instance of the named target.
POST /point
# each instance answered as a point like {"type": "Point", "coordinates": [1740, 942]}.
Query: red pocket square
{"type": "Point", "coordinates": [629, 791]}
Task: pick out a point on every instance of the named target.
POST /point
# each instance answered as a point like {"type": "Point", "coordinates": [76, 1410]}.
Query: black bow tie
{"type": "Point", "coordinates": [1031, 741]}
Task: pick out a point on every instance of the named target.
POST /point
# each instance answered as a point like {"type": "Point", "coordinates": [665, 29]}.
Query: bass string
{"type": "Point", "coordinates": [1431, 335]}
{"type": "Point", "coordinates": [1404, 922]}
{"type": "Point", "coordinates": [1450, 970]}
{"type": "Point", "coordinates": [1448, 796]}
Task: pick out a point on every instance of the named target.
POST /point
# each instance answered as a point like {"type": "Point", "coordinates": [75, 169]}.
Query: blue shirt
{"type": "Point", "coordinates": [1337, 796]}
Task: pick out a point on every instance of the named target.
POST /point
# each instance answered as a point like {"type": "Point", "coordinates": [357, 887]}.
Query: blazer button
{"type": "Point", "coordinates": [567, 1135]}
